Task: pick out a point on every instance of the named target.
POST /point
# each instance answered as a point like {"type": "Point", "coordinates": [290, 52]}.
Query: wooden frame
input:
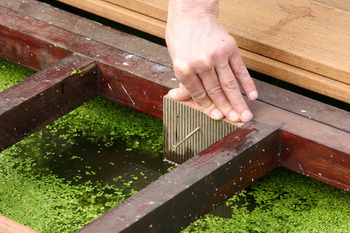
{"type": "Point", "coordinates": [288, 130]}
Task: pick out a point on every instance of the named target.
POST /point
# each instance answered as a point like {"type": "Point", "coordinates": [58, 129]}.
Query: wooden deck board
{"type": "Point", "coordinates": [9, 226]}
{"type": "Point", "coordinates": [155, 79]}
{"type": "Point", "coordinates": [299, 139]}
{"type": "Point", "coordinates": [302, 37]}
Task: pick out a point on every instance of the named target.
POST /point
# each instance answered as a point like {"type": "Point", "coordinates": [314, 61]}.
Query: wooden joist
{"type": "Point", "coordinates": [304, 43]}
{"type": "Point", "coordinates": [192, 189]}
{"type": "Point", "coordinates": [44, 97]}
{"type": "Point", "coordinates": [288, 130]}
{"type": "Point", "coordinates": [9, 226]}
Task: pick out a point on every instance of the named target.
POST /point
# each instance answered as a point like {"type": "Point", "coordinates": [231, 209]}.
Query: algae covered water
{"type": "Point", "coordinates": [83, 164]}
{"type": "Point", "coordinates": [283, 201]}
{"type": "Point", "coordinates": [78, 167]}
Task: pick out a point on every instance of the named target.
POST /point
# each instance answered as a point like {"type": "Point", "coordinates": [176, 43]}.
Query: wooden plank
{"type": "Point", "coordinates": [9, 226]}
{"type": "Point", "coordinates": [151, 8]}
{"type": "Point", "coordinates": [121, 15]}
{"type": "Point", "coordinates": [309, 135]}
{"type": "Point", "coordinates": [91, 29]}
{"type": "Point", "coordinates": [28, 51]}
{"type": "Point", "coordinates": [260, 63]}
{"type": "Point", "coordinates": [132, 90]}
{"type": "Point", "coordinates": [158, 54]}
{"type": "Point", "coordinates": [313, 159]}
{"type": "Point", "coordinates": [119, 67]}
{"type": "Point", "coordinates": [340, 4]}
{"type": "Point", "coordinates": [291, 74]}
{"type": "Point", "coordinates": [42, 98]}
{"type": "Point", "coordinates": [302, 33]}
{"type": "Point", "coordinates": [304, 106]}
{"type": "Point", "coordinates": [192, 189]}
{"type": "Point", "coordinates": [276, 29]}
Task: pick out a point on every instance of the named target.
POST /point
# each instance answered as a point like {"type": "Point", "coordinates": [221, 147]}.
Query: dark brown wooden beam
{"type": "Point", "coordinates": [192, 189]}
{"type": "Point", "coordinates": [315, 160]}
{"type": "Point", "coordinates": [27, 50]}
{"type": "Point", "coordinates": [304, 139]}
{"type": "Point", "coordinates": [45, 96]}
{"type": "Point", "coordinates": [132, 77]}
{"type": "Point", "coordinates": [139, 82]}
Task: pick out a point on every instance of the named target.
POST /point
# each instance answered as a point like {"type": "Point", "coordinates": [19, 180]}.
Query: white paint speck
{"type": "Point", "coordinates": [129, 56]}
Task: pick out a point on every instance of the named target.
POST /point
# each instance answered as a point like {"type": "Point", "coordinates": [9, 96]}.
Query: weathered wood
{"type": "Point", "coordinates": [9, 226]}
{"type": "Point", "coordinates": [303, 136]}
{"type": "Point", "coordinates": [132, 90]}
{"type": "Point", "coordinates": [158, 54]}
{"type": "Point", "coordinates": [119, 67]}
{"type": "Point", "coordinates": [313, 159]}
{"type": "Point", "coordinates": [25, 49]}
{"type": "Point", "coordinates": [304, 106]}
{"type": "Point", "coordinates": [116, 64]}
{"type": "Point", "coordinates": [192, 189]}
{"type": "Point", "coordinates": [45, 96]}
{"type": "Point", "coordinates": [341, 4]}
{"type": "Point", "coordinates": [309, 133]}
{"type": "Point", "coordinates": [282, 47]}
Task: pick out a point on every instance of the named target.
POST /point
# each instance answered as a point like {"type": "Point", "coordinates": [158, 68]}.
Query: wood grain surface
{"type": "Point", "coordinates": [304, 42]}
{"type": "Point", "coordinates": [9, 226]}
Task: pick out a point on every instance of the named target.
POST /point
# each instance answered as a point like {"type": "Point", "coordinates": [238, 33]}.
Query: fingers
{"type": "Point", "coordinates": [179, 93]}
{"type": "Point", "coordinates": [241, 73]}
{"type": "Point", "coordinates": [193, 86]}
{"type": "Point", "coordinates": [215, 92]}
{"type": "Point", "coordinates": [233, 94]}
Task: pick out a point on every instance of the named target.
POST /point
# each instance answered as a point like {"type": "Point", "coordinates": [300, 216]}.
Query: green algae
{"type": "Point", "coordinates": [11, 74]}
{"type": "Point", "coordinates": [285, 202]}
{"type": "Point", "coordinates": [34, 194]}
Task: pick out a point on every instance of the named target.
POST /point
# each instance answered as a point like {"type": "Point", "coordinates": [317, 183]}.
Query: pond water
{"type": "Point", "coordinates": [89, 161]}
{"type": "Point", "coordinates": [93, 162]}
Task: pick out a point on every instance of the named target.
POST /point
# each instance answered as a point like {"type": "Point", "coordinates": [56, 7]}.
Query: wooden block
{"type": "Point", "coordinates": [188, 131]}
{"type": "Point", "coordinates": [9, 226]}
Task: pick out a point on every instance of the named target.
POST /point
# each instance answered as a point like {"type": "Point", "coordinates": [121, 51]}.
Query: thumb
{"type": "Point", "coordinates": [179, 93]}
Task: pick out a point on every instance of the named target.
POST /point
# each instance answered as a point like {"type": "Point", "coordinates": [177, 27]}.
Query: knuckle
{"type": "Point", "coordinates": [215, 91]}
{"type": "Point", "coordinates": [199, 95]}
{"type": "Point", "coordinates": [230, 85]}
{"type": "Point", "coordinates": [182, 70]}
{"type": "Point", "coordinates": [240, 71]}
{"type": "Point", "coordinates": [203, 63]}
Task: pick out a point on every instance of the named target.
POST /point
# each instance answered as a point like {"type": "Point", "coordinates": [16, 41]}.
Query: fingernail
{"type": "Point", "coordinates": [246, 116]}
{"type": "Point", "coordinates": [253, 95]}
{"type": "Point", "coordinates": [232, 116]}
{"type": "Point", "coordinates": [216, 114]}
{"type": "Point", "coordinates": [172, 93]}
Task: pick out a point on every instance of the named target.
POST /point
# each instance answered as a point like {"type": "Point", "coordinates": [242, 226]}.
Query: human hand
{"type": "Point", "coordinates": [207, 63]}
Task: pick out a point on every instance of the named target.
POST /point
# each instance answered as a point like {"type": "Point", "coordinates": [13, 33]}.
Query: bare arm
{"type": "Point", "coordinates": [206, 61]}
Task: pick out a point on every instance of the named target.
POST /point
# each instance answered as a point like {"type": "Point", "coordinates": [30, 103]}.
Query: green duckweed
{"type": "Point", "coordinates": [30, 190]}
{"type": "Point", "coordinates": [32, 194]}
{"type": "Point", "coordinates": [285, 202]}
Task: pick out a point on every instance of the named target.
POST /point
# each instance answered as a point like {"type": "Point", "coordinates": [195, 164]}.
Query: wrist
{"type": "Point", "coordinates": [195, 8]}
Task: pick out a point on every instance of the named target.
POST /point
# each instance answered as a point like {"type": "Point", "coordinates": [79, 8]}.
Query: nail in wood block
{"type": "Point", "coordinates": [188, 131]}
